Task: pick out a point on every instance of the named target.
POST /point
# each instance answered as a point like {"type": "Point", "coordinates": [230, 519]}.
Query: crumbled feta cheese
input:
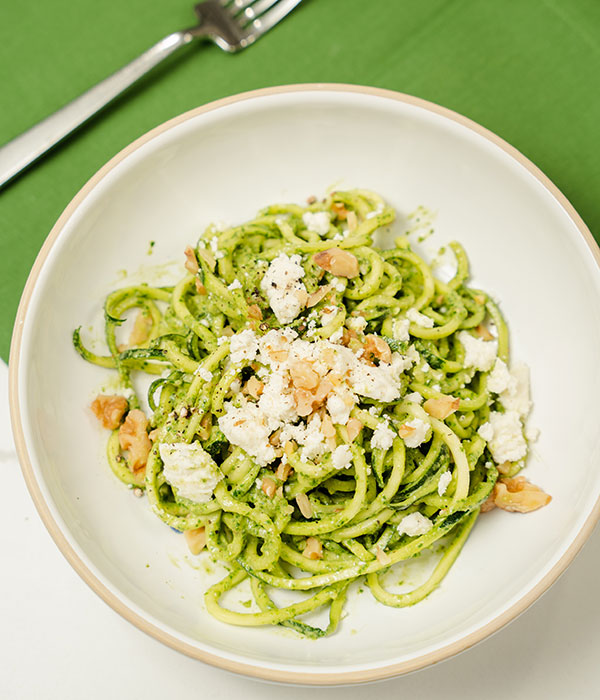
{"type": "Point", "coordinates": [244, 346]}
{"type": "Point", "coordinates": [516, 396]}
{"type": "Point", "coordinates": [507, 443]}
{"type": "Point", "coordinates": [380, 383]}
{"type": "Point", "coordinates": [308, 435]}
{"type": "Point", "coordinates": [317, 221]}
{"type": "Point", "coordinates": [400, 329]}
{"type": "Point", "coordinates": [479, 353]}
{"type": "Point", "coordinates": [414, 397]}
{"type": "Point", "coordinates": [357, 323]}
{"type": "Point", "coordinates": [276, 401]}
{"type": "Point", "coordinates": [190, 470]}
{"type": "Point", "coordinates": [222, 339]}
{"type": "Point", "coordinates": [499, 378]}
{"type": "Point", "coordinates": [214, 246]}
{"type": "Point", "coordinates": [341, 457]}
{"type": "Point", "coordinates": [339, 285]}
{"type": "Point", "coordinates": [531, 433]}
{"type": "Point", "coordinates": [444, 482]}
{"type": "Point", "coordinates": [383, 437]}
{"type": "Point", "coordinates": [282, 284]}
{"type": "Point", "coordinates": [421, 431]}
{"type": "Point", "coordinates": [414, 524]}
{"type": "Point", "coordinates": [236, 284]}
{"type": "Point", "coordinates": [339, 404]}
{"type": "Point", "coordinates": [419, 318]}
{"type": "Point", "coordinates": [246, 426]}
{"type": "Point", "coordinates": [203, 373]}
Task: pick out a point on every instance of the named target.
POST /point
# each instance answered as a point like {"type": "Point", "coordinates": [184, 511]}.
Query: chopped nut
{"type": "Point", "coordinates": [382, 557]}
{"type": "Point", "coordinates": [339, 262]}
{"type": "Point", "coordinates": [519, 495]}
{"type": "Point", "coordinates": [268, 487]}
{"type": "Point", "coordinates": [315, 297]}
{"type": "Point", "coordinates": [254, 387]}
{"type": "Point", "coordinates": [274, 439]}
{"type": "Point", "coordinates": [405, 430]}
{"type": "Point", "coordinates": [205, 426]}
{"type": "Point", "coordinates": [304, 402]}
{"type": "Point", "coordinates": [505, 468]}
{"type": "Point", "coordinates": [283, 471]}
{"type": "Point", "coordinates": [191, 263]}
{"type": "Point", "coordinates": [200, 288]}
{"type": "Point", "coordinates": [255, 312]}
{"type": "Point", "coordinates": [489, 504]}
{"type": "Point", "coordinates": [303, 375]}
{"type": "Point", "coordinates": [109, 410]}
{"type": "Point", "coordinates": [323, 390]}
{"type": "Point", "coordinates": [327, 427]}
{"type": "Point", "coordinates": [377, 347]}
{"type": "Point", "coordinates": [207, 256]}
{"type": "Point", "coordinates": [313, 549]}
{"type": "Point", "coordinates": [196, 539]}
{"type": "Point", "coordinates": [141, 329]}
{"type": "Point", "coordinates": [353, 428]}
{"type": "Point", "coordinates": [289, 448]}
{"type": "Point", "coordinates": [441, 408]}
{"type": "Point", "coordinates": [304, 505]}
{"type": "Point", "coordinates": [483, 332]}
{"type": "Point", "coordinates": [311, 200]}
{"type": "Point", "coordinates": [134, 438]}
{"type": "Point", "coordinates": [339, 210]}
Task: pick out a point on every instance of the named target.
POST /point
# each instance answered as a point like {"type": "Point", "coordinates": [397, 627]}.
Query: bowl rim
{"type": "Point", "coordinates": [82, 568]}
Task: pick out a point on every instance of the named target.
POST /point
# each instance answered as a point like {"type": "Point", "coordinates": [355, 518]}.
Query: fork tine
{"type": "Point", "coordinates": [268, 20]}
{"type": "Point", "coordinates": [254, 10]}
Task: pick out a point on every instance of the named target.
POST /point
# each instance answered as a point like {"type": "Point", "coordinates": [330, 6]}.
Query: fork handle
{"type": "Point", "coordinates": [29, 146]}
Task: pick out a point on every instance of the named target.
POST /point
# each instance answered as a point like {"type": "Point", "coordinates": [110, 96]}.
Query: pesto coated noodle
{"type": "Point", "coordinates": [321, 410]}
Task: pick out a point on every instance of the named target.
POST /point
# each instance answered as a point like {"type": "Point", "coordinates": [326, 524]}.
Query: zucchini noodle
{"type": "Point", "coordinates": [321, 409]}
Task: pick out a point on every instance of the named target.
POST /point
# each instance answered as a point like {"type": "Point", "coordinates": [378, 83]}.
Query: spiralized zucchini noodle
{"type": "Point", "coordinates": [322, 411]}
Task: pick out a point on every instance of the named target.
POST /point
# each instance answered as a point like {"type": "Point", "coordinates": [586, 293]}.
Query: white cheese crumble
{"type": "Point", "coordinates": [499, 378]}
{"type": "Point", "coordinates": [400, 329]}
{"type": "Point", "coordinates": [419, 318]}
{"type": "Point", "coordinates": [317, 221]}
{"type": "Point", "coordinates": [282, 285]}
{"type": "Point", "coordinates": [190, 470]}
{"type": "Point", "coordinates": [236, 284]}
{"type": "Point", "coordinates": [516, 396]}
{"type": "Point", "coordinates": [247, 427]}
{"type": "Point", "coordinates": [357, 323]}
{"type": "Point", "coordinates": [203, 373]}
{"type": "Point", "coordinates": [479, 353]}
{"type": "Point", "coordinates": [504, 435]}
{"type": "Point", "coordinates": [383, 437]}
{"type": "Point", "coordinates": [421, 431]}
{"type": "Point", "coordinates": [341, 457]}
{"type": "Point", "coordinates": [339, 404]}
{"type": "Point", "coordinates": [244, 346]}
{"type": "Point", "coordinates": [444, 482]}
{"type": "Point", "coordinates": [414, 397]}
{"type": "Point", "coordinates": [214, 246]}
{"type": "Point", "coordinates": [414, 524]}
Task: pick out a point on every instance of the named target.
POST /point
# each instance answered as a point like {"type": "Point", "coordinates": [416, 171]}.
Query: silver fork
{"type": "Point", "coordinates": [230, 24]}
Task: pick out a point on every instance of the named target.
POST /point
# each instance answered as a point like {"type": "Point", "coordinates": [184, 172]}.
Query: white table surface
{"type": "Point", "coordinates": [59, 640]}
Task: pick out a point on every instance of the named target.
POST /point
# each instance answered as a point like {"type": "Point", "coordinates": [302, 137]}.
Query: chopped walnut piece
{"type": "Point", "coordinates": [196, 539]}
{"type": "Point", "coordinates": [134, 438]}
{"type": "Point", "coordinates": [268, 487]}
{"type": "Point", "coordinates": [339, 210]}
{"type": "Point", "coordinates": [303, 375]}
{"type": "Point", "coordinates": [323, 390]}
{"type": "Point", "coordinates": [304, 505]}
{"type": "Point", "coordinates": [141, 330]}
{"type": "Point", "coordinates": [200, 288]}
{"type": "Point", "coordinates": [315, 297]}
{"type": "Point", "coordinates": [352, 221]}
{"type": "Point", "coordinates": [353, 428]}
{"type": "Point", "coordinates": [191, 263]}
{"type": "Point", "coordinates": [483, 332]}
{"type": "Point", "coordinates": [254, 387]}
{"type": "Point", "coordinates": [441, 408]}
{"type": "Point", "coordinates": [339, 262]}
{"type": "Point", "coordinates": [405, 430]}
{"type": "Point", "coordinates": [519, 495]}
{"type": "Point", "coordinates": [205, 426]}
{"type": "Point", "coordinates": [313, 549]}
{"type": "Point", "coordinates": [327, 427]}
{"type": "Point", "coordinates": [255, 312]}
{"type": "Point", "coordinates": [377, 347]}
{"type": "Point", "coordinates": [488, 504]}
{"type": "Point", "coordinates": [304, 402]}
{"type": "Point", "coordinates": [109, 410]}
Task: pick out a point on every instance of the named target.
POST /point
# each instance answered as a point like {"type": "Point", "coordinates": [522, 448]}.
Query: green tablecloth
{"type": "Point", "coordinates": [527, 69]}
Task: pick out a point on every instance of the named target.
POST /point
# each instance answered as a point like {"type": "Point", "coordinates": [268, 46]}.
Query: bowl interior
{"type": "Point", "coordinates": [225, 164]}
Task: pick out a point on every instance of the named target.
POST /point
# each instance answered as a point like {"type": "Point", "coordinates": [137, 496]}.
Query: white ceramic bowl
{"type": "Point", "coordinates": [527, 246]}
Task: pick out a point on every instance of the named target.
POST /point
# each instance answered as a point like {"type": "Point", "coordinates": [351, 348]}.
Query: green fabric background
{"type": "Point", "coordinates": [527, 69]}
